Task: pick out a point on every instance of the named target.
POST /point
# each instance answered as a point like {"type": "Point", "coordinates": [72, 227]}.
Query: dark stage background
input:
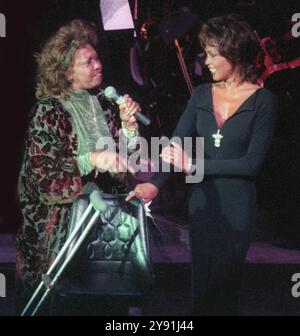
{"type": "Point", "coordinates": [30, 23]}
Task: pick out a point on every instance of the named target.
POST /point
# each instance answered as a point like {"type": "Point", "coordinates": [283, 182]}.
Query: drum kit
{"type": "Point", "coordinates": [273, 60]}
{"type": "Point", "coordinates": [159, 38]}
{"type": "Point", "coordinates": [162, 64]}
{"type": "Point", "coordinates": [173, 31]}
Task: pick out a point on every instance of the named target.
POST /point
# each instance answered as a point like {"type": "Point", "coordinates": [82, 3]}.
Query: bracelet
{"type": "Point", "coordinates": [128, 133]}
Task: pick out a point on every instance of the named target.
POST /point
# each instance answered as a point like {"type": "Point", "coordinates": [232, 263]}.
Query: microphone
{"type": "Point", "coordinates": [111, 93]}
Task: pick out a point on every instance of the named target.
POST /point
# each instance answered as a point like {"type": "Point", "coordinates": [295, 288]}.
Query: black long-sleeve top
{"type": "Point", "coordinates": [247, 134]}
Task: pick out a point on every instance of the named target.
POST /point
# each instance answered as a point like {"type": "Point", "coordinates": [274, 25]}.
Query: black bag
{"type": "Point", "coordinates": [114, 259]}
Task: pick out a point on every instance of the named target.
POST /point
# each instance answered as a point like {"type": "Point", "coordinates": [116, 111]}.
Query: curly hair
{"type": "Point", "coordinates": [57, 56]}
{"type": "Point", "coordinates": [235, 41]}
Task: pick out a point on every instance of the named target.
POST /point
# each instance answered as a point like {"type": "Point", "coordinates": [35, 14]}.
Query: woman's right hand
{"type": "Point", "coordinates": [111, 162]}
{"type": "Point", "coordinates": [144, 191]}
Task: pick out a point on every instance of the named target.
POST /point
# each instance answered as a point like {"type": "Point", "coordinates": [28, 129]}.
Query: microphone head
{"type": "Point", "coordinates": [110, 92]}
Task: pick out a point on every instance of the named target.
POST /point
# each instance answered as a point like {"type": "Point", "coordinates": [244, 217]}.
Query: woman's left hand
{"type": "Point", "coordinates": [144, 191]}
{"type": "Point", "coordinates": [175, 155]}
{"type": "Point", "coordinates": [127, 112]}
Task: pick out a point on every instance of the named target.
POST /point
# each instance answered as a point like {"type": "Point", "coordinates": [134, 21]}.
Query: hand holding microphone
{"type": "Point", "coordinates": [132, 107]}
{"type": "Point", "coordinates": [128, 110]}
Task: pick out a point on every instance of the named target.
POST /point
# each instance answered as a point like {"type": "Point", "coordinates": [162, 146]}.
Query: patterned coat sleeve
{"type": "Point", "coordinates": [50, 171]}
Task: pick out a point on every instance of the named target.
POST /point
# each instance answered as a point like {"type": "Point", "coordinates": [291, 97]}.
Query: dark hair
{"type": "Point", "coordinates": [235, 41]}
{"type": "Point", "coordinates": [57, 56]}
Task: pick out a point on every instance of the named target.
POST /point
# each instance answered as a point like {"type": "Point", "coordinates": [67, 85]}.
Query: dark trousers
{"type": "Point", "coordinates": [220, 235]}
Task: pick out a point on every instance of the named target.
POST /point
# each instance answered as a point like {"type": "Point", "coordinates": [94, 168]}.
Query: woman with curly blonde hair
{"type": "Point", "coordinates": [62, 146]}
{"type": "Point", "coordinates": [57, 56]}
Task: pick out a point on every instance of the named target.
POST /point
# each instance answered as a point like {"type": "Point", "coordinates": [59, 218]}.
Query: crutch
{"type": "Point", "coordinates": [100, 206]}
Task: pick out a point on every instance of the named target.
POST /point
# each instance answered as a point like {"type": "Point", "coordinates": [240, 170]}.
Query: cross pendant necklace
{"type": "Point", "coordinates": [217, 136]}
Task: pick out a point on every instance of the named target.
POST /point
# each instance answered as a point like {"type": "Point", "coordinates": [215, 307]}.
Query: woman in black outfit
{"type": "Point", "coordinates": [236, 118]}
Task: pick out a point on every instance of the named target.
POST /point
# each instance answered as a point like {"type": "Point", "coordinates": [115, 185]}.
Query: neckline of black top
{"type": "Point", "coordinates": [238, 110]}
